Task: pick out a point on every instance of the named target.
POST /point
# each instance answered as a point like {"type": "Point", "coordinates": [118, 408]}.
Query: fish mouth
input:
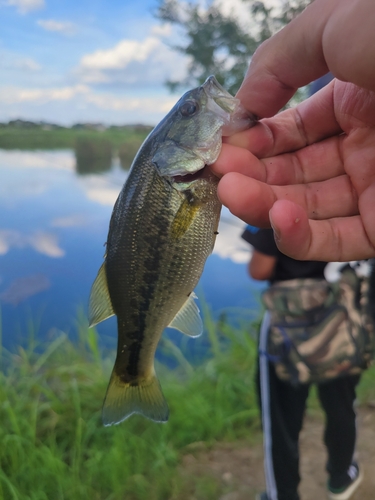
{"type": "Point", "coordinates": [183, 179]}
{"type": "Point", "coordinates": [203, 173]}
{"type": "Point", "coordinates": [235, 117]}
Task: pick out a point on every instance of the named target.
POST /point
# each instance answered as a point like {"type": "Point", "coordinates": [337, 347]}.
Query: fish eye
{"type": "Point", "coordinates": [189, 108]}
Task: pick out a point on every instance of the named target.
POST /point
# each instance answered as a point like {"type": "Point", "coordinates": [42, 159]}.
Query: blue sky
{"type": "Point", "coordinates": [68, 61]}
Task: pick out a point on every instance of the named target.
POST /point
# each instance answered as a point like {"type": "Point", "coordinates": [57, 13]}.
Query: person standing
{"type": "Point", "coordinates": [283, 404]}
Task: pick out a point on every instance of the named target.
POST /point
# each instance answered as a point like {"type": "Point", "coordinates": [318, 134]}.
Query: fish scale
{"type": "Point", "coordinates": [161, 232]}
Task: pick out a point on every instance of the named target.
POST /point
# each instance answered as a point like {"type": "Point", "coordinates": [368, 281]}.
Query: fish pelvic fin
{"type": "Point", "coordinates": [100, 307]}
{"type": "Point", "coordinates": [188, 320]}
{"type": "Point", "coordinates": [143, 396]}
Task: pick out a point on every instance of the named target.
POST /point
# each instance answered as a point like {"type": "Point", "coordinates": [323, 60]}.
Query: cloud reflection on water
{"type": "Point", "coordinates": [23, 288]}
{"type": "Point", "coordinates": [229, 244]}
{"type": "Point", "coordinates": [53, 223]}
{"type": "Point", "coordinates": [41, 241]}
{"type": "Point", "coordinates": [57, 160]}
{"type": "Point", "coordinates": [37, 173]}
{"type": "Point", "coordinates": [75, 220]}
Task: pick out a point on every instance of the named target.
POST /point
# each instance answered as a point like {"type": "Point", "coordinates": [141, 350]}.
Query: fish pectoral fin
{"type": "Point", "coordinates": [100, 307]}
{"type": "Point", "coordinates": [184, 218]}
{"type": "Point", "coordinates": [143, 396]}
{"type": "Point", "coordinates": [188, 320]}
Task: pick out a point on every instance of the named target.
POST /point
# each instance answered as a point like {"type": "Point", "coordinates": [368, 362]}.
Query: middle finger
{"type": "Point", "coordinates": [314, 163]}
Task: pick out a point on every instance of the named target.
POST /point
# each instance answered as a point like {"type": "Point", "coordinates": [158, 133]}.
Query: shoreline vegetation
{"type": "Point", "coordinates": [55, 446]}
{"type": "Point", "coordinates": [95, 145]}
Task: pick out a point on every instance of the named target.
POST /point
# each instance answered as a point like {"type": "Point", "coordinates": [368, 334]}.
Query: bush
{"type": "Point", "coordinates": [92, 155]}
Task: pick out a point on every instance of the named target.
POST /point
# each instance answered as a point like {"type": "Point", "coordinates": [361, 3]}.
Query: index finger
{"type": "Point", "coordinates": [288, 60]}
{"type": "Point", "coordinates": [327, 36]}
{"type": "Point", "coordinates": [311, 121]}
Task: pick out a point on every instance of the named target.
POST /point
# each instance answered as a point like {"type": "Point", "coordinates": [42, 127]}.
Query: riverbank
{"type": "Point", "coordinates": [236, 469]}
{"type": "Point", "coordinates": [30, 136]}
{"type": "Point", "coordinates": [54, 445]}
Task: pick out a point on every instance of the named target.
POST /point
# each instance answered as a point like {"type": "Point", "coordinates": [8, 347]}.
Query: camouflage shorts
{"type": "Point", "coordinates": [319, 330]}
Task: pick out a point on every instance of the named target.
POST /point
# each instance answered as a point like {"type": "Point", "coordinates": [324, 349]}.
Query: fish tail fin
{"type": "Point", "coordinates": [143, 396]}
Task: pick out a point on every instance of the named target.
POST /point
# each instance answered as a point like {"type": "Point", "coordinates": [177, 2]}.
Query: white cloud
{"type": "Point", "coordinates": [81, 97]}
{"type": "Point", "coordinates": [108, 101]}
{"type": "Point", "coordinates": [163, 30]}
{"type": "Point", "coordinates": [25, 6]}
{"type": "Point", "coordinates": [149, 61]}
{"type": "Point", "coordinates": [27, 64]}
{"type": "Point", "coordinates": [12, 61]}
{"type": "Point", "coordinates": [241, 11]}
{"type": "Point", "coordinates": [65, 28]}
{"type": "Point", "coordinates": [121, 55]}
{"type": "Point", "coordinates": [10, 95]}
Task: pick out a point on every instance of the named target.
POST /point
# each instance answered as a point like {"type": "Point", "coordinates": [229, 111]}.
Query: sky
{"type": "Point", "coordinates": [69, 61]}
{"type": "Point", "coordinates": [92, 60]}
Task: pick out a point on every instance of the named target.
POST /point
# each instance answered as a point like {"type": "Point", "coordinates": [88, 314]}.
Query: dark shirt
{"type": "Point", "coordinates": [320, 83]}
{"type": "Point", "coordinates": [286, 268]}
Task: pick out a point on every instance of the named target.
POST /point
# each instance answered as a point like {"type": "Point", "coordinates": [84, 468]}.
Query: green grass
{"type": "Point", "coordinates": [65, 138]}
{"type": "Point", "coordinates": [53, 445]}
{"type": "Point", "coordinates": [366, 388]}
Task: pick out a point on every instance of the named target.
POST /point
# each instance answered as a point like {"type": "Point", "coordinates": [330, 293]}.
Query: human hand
{"type": "Point", "coordinates": [311, 170]}
{"type": "Point", "coordinates": [329, 35]}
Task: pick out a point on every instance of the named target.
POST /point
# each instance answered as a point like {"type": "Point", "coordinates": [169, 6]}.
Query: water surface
{"type": "Point", "coordinates": [53, 226]}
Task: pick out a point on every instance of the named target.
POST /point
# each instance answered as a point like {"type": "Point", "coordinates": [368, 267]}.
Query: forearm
{"type": "Point", "coordinates": [261, 267]}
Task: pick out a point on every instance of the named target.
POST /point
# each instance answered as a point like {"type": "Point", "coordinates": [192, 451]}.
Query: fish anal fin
{"type": "Point", "coordinates": [100, 307]}
{"type": "Point", "coordinates": [144, 397]}
{"type": "Point", "coordinates": [188, 320]}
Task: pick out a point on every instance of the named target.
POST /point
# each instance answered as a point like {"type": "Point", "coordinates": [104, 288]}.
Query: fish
{"type": "Point", "coordinates": [162, 229]}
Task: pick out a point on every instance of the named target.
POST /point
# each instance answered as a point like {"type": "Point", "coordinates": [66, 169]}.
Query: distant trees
{"type": "Point", "coordinates": [221, 44]}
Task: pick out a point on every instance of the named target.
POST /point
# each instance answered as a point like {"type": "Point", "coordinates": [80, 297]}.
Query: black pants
{"type": "Point", "coordinates": [286, 411]}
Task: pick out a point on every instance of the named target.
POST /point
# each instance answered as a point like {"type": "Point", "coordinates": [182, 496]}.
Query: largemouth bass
{"type": "Point", "coordinates": [162, 230]}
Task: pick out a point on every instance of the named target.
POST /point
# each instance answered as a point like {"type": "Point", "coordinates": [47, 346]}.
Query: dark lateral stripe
{"type": "Point", "coordinates": [149, 278]}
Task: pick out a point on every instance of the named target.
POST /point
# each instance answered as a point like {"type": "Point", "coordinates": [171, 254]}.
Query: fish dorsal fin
{"type": "Point", "coordinates": [188, 320]}
{"type": "Point", "coordinates": [100, 307]}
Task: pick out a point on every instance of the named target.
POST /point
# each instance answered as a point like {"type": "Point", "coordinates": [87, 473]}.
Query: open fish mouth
{"type": "Point", "coordinates": [179, 179]}
{"type": "Point", "coordinates": [203, 173]}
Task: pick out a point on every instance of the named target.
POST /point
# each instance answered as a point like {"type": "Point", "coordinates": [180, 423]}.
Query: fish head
{"type": "Point", "coordinates": [190, 136]}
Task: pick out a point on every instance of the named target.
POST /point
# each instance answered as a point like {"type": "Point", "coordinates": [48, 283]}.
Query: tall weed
{"type": "Point", "coordinates": [53, 444]}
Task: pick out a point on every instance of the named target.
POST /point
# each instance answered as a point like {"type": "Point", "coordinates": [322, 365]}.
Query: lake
{"type": "Point", "coordinates": [53, 227]}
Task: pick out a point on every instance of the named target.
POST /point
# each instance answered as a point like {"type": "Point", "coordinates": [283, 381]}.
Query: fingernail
{"type": "Point", "coordinates": [276, 233]}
